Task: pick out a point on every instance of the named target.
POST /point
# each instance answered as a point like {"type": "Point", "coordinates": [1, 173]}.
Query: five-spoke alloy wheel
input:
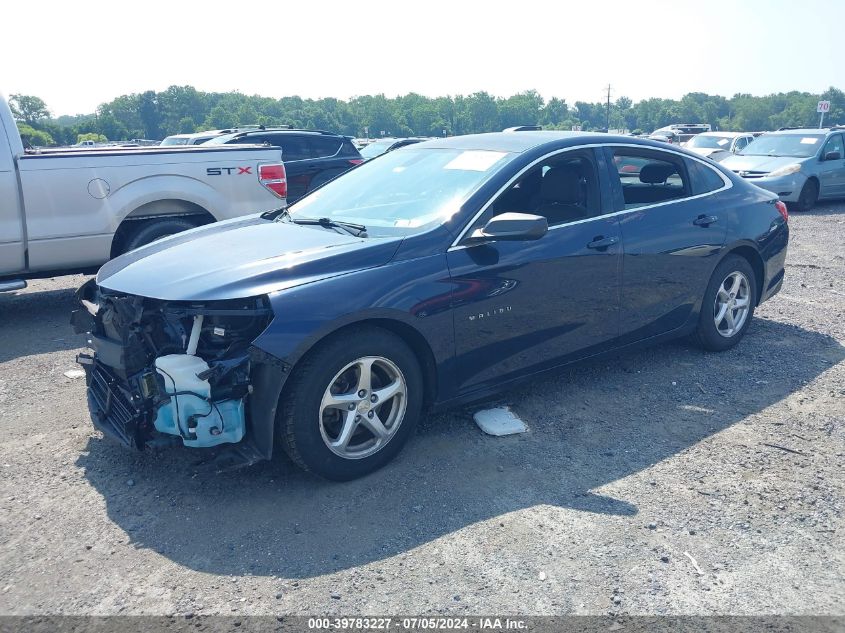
{"type": "Point", "coordinates": [728, 304]}
{"type": "Point", "coordinates": [363, 407]}
{"type": "Point", "coordinates": [733, 301]}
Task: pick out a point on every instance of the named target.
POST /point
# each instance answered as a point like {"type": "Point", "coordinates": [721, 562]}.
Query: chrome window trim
{"type": "Point", "coordinates": [727, 185]}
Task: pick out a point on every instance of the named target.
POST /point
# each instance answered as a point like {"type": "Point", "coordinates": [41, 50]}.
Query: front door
{"type": "Point", "coordinates": [832, 172]}
{"type": "Point", "coordinates": [672, 231]}
{"type": "Point", "coordinates": [525, 306]}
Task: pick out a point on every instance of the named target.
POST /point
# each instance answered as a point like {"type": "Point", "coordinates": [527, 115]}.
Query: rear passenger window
{"type": "Point", "coordinates": [348, 149]}
{"type": "Point", "coordinates": [293, 147]}
{"type": "Point", "coordinates": [650, 177]}
{"type": "Point", "coordinates": [323, 147]}
{"type": "Point", "coordinates": [704, 179]}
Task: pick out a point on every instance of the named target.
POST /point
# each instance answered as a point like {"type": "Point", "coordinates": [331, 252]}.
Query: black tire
{"type": "Point", "coordinates": [707, 334]}
{"type": "Point", "coordinates": [808, 197]}
{"type": "Point", "coordinates": [152, 230]}
{"type": "Point", "coordinates": [299, 420]}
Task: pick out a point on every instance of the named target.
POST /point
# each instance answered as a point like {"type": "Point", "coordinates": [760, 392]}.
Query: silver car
{"type": "Point", "coordinates": [718, 145]}
{"type": "Point", "coordinates": [800, 165]}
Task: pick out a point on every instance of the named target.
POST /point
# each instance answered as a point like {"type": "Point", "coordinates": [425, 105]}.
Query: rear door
{"type": "Point", "coordinates": [672, 230]}
{"type": "Point", "coordinates": [832, 172]}
{"type": "Point", "coordinates": [11, 223]}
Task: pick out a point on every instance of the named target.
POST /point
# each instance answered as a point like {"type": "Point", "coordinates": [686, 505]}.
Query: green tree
{"type": "Point", "coordinates": [150, 114]}
{"type": "Point", "coordinates": [34, 138]}
{"type": "Point", "coordinates": [28, 109]}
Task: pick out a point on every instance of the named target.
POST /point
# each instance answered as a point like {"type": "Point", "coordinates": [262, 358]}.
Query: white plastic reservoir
{"type": "Point", "coordinates": [213, 423]}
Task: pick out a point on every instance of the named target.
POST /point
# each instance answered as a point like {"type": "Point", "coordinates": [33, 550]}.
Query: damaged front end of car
{"type": "Point", "coordinates": [170, 372]}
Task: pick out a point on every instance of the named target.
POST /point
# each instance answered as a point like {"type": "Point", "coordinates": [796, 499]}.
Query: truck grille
{"type": "Point", "coordinates": [111, 409]}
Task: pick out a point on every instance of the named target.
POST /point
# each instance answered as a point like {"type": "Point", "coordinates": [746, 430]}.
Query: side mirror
{"type": "Point", "coordinates": [511, 227]}
{"type": "Point", "coordinates": [832, 156]}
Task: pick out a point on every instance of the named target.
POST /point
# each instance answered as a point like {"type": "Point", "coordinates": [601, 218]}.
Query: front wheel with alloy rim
{"type": "Point", "coordinates": [351, 404]}
{"type": "Point", "coordinates": [728, 304]}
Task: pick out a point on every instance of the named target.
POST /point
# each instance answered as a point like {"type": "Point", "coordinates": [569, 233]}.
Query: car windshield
{"type": "Point", "coordinates": [798, 145]}
{"type": "Point", "coordinates": [375, 149]}
{"type": "Point", "coordinates": [403, 192]}
{"type": "Point", "coordinates": [707, 141]}
{"type": "Point", "coordinates": [175, 140]}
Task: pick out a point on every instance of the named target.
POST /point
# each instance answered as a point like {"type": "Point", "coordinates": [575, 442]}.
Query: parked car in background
{"type": "Point", "coordinates": [384, 145]}
{"type": "Point", "coordinates": [801, 166]}
{"type": "Point", "coordinates": [684, 131]}
{"type": "Point", "coordinates": [432, 276]}
{"type": "Point", "coordinates": [718, 145]}
{"type": "Point", "coordinates": [666, 136]}
{"type": "Point", "coordinates": [312, 157]}
{"type": "Point", "coordinates": [70, 210]}
{"type": "Point", "coordinates": [198, 138]}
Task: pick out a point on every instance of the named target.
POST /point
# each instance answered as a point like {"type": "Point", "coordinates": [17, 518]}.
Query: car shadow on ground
{"type": "Point", "coordinates": [825, 207]}
{"type": "Point", "coordinates": [48, 311]}
{"type": "Point", "coordinates": [590, 425]}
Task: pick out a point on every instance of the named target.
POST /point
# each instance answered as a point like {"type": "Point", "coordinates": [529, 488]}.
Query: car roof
{"type": "Point", "coordinates": [285, 130]}
{"type": "Point", "coordinates": [802, 131]}
{"type": "Point", "coordinates": [523, 141]}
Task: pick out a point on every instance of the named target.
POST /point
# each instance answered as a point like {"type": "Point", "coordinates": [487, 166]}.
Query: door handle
{"type": "Point", "coordinates": [705, 220]}
{"type": "Point", "coordinates": [601, 242]}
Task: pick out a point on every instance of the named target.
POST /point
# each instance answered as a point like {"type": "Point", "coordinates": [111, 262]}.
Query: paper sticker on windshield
{"type": "Point", "coordinates": [474, 160]}
{"type": "Point", "coordinates": [722, 141]}
{"type": "Point", "coordinates": [809, 140]}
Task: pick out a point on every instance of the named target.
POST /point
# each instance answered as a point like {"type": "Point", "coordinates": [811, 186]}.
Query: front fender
{"type": "Point", "coordinates": [414, 294]}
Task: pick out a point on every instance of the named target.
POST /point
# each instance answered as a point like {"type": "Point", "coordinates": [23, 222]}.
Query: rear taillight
{"type": "Point", "coordinates": [272, 176]}
{"type": "Point", "coordinates": [356, 161]}
{"type": "Point", "coordinates": [781, 207]}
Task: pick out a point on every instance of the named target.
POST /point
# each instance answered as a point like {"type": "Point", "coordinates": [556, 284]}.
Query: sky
{"type": "Point", "coordinates": [77, 54]}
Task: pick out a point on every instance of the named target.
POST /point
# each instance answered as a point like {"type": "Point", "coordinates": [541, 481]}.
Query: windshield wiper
{"type": "Point", "coordinates": [358, 230]}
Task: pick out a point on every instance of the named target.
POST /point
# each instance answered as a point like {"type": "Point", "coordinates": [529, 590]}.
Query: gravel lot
{"type": "Point", "coordinates": [664, 481]}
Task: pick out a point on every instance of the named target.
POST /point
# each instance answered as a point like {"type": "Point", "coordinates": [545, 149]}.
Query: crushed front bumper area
{"type": "Point", "coordinates": [163, 373]}
{"type": "Point", "coordinates": [111, 406]}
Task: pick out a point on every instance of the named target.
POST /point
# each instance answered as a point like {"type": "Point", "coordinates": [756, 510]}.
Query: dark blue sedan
{"type": "Point", "coordinates": [434, 275]}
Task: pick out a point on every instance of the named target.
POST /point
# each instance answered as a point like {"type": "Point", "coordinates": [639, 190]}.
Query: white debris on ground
{"type": "Point", "coordinates": [499, 421]}
{"type": "Point", "coordinates": [75, 373]}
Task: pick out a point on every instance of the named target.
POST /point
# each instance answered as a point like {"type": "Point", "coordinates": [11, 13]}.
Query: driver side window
{"type": "Point", "coordinates": [562, 188]}
{"type": "Point", "coordinates": [834, 144]}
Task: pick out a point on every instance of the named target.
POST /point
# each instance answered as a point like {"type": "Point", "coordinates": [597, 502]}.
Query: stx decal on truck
{"type": "Point", "coordinates": [218, 171]}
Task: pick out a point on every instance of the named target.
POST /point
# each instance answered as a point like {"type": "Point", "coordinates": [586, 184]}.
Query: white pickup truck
{"type": "Point", "coordinates": [64, 211]}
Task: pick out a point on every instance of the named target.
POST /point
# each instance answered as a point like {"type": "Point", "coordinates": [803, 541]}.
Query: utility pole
{"type": "Point", "coordinates": [607, 114]}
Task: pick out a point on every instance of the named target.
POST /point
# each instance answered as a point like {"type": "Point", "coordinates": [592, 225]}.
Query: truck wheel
{"type": "Point", "coordinates": [351, 404]}
{"type": "Point", "coordinates": [153, 230]}
{"type": "Point", "coordinates": [728, 305]}
{"type": "Point", "coordinates": [808, 196]}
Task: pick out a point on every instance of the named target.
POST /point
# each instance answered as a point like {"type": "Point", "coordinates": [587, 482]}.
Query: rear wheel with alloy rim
{"type": "Point", "coordinates": [351, 404]}
{"type": "Point", "coordinates": [728, 304]}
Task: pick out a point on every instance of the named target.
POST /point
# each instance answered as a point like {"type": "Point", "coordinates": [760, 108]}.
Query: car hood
{"type": "Point", "coordinates": [240, 258]}
{"type": "Point", "coordinates": [706, 151]}
{"type": "Point", "coordinates": [737, 162]}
